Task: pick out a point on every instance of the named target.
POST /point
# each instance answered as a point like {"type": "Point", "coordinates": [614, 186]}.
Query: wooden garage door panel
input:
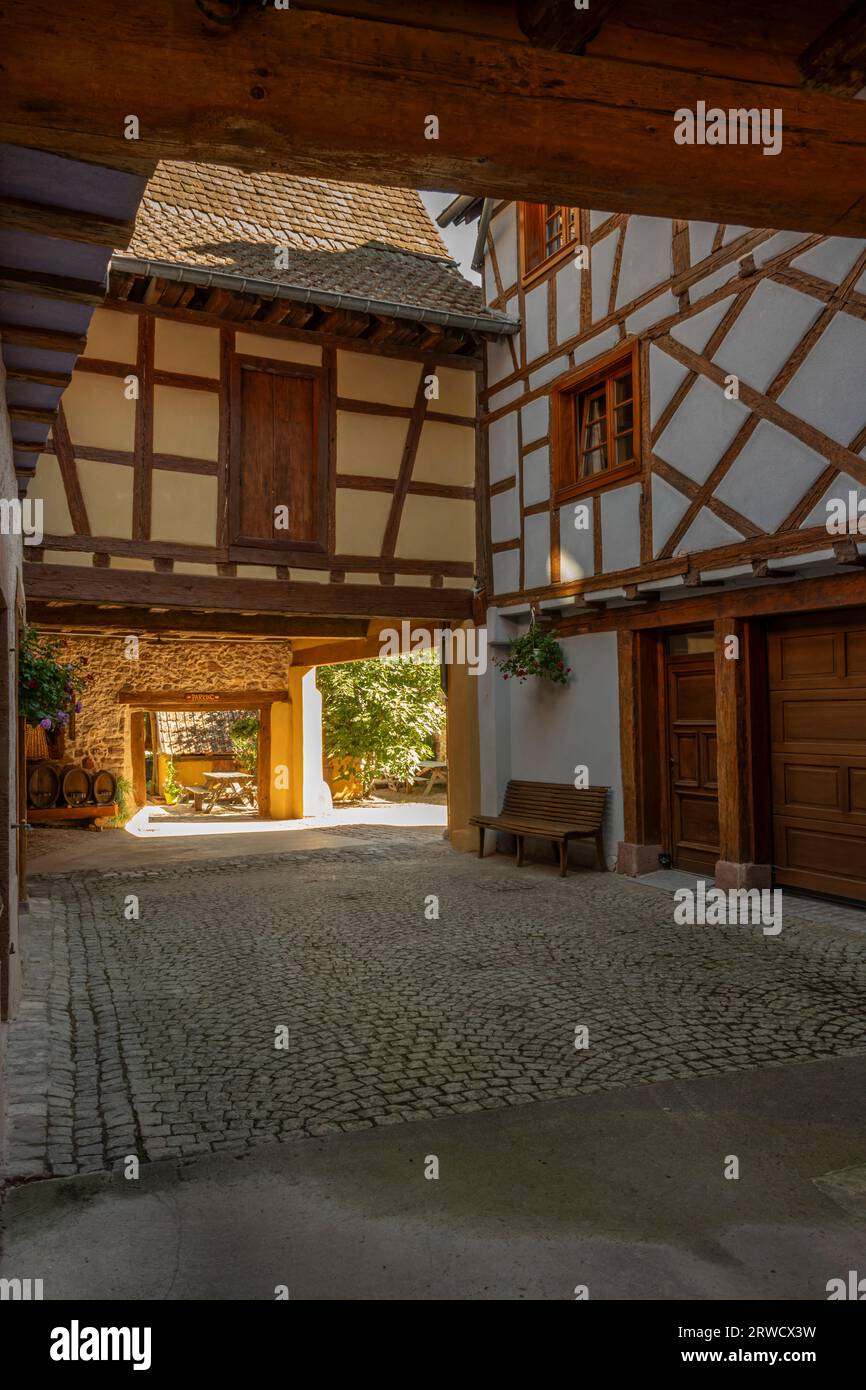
{"type": "Point", "coordinates": [855, 653]}
{"type": "Point", "coordinates": [820, 719]}
{"type": "Point", "coordinates": [815, 847]}
{"type": "Point", "coordinates": [805, 786]}
{"type": "Point", "coordinates": [807, 654]}
{"type": "Point", "coordinates": [818, 754]}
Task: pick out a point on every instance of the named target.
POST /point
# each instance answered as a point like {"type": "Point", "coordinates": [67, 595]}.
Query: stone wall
{"type": "Point", "coordinates": [102, 729]}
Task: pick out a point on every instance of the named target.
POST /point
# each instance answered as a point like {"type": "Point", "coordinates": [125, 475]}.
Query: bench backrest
{"type": "Point", "coordinates": [556, 801]}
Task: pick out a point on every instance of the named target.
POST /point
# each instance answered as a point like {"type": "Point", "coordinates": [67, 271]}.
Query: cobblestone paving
{"type": "Point", "coordinates": [162, 1030]}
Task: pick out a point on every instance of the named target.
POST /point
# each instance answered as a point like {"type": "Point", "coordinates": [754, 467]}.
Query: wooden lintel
{"type": "Point", "coordinates": [560, 25]}
{"type": "Point", "coordinates": [120, 621]}
{"type": "Point", "coordinates": [836, 60]}
{"type": "Point", "coordinates": [237, 595]}
{"type": "Point", "coordinates": [516, 120]}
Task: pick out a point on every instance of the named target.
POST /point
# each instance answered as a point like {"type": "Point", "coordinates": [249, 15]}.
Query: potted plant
{"type": "Point", "coordinates": [48, 689]}
{"type": "Point", "coordinates": [536, 653]}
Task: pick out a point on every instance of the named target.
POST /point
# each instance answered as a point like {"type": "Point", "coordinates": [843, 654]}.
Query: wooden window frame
{"type": "Point", "coordinates": [285, 551]}
{"type": "Point", "coordinates": [527, 212]}
{"type": "Point", "coordinates": [564, 444]}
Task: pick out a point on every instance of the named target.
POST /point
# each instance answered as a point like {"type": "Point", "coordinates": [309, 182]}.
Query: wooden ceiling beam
{"type": "Point", "coordinates": [236, 595]}
{"type": "Point", "coordinates": [558, 25]}
{"type": "Point", "coordinates": [51, 339]}
{"type": "Point", "coordinates": [45, 286]}
{"type": "Point", "coordinates": [38, 378]}
{"type": "Point", "coordinates": [515, 121]}
{"type": "Point", "coordinates": [836, 61]}
{"type": "Point", "coordinates": [124, 620]}
{"type": "Point", "coordinates": [20, 215]}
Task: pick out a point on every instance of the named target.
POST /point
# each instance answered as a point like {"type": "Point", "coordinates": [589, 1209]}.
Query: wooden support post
{"type": "Point", "coordinates": [736, 712]}
{"type": "Point", "coordinates": [139, 765]}
{"type": "Point", "coordinates": [640, 675]}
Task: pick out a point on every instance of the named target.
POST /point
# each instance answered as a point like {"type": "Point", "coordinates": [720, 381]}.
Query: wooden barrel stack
{"type": "Point", "coordinates": [68, 784]}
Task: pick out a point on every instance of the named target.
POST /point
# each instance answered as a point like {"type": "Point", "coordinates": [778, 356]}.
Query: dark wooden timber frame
{"type": "Point", "coordinates": [231, 548]}
{"type": "Point", "coordinates": [583, 119]}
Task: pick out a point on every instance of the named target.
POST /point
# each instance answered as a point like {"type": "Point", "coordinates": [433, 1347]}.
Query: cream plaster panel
{"type": "Point", "coordinates": [361, 519]}
{"type": "Point", "coordinates": [456, 391]}
{"type": "Point", "coordinates": [112, 336]}
{"type": "Point", "coordinates": [183, 508]}
{"type": "Point", "coordinates": [457, 582]}
{"type": "Point", "coordinates": [370, 444]}
{"type": "Point", "coordinates": [185, 422]}
{"type": "Point", "coordinates": [194, 567]}
{"type": "Point", "coordinates": [446, 454]}
{"type": "Point", "coordinates": [107, 492]}
{"type": "Point", "coordinates": [80, 558]}
{"type": "Point", "coordinates": [311, 576]}
{"type": "Point", "coordinates": [98, 413]}
{"type": "Point", "coordinates": [184, 347]}
{"type": "Point", "coordinates": [414, 581]}
{"type": "Point", "coordinates": [48, 484]}
{"type": "Point", "coordinates": [131, 562]}
{"type": "Point", "coordinates": [437, 528]}
{"type": "Point", "coordinates": [357, 577]}
{"type": "Point", "coordinates": [283, 349]}
{"type": "Point", "coordinates": [256, 572]}
{"type": "Point", "coordinates": [363, 377]}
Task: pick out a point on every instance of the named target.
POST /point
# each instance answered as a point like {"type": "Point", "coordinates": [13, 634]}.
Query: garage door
{"type": "Point", "coordinates": [818, 723]}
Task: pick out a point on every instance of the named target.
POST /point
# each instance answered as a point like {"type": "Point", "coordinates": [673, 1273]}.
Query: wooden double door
{"type": "Point", "coordinates": [818, 751]}
{"type": "Point", "coordinates": [691, 750]}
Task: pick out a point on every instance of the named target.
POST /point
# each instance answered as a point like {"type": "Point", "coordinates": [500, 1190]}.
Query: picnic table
{"type": "Point", "coordinates": [230, 789]}
{"type": "Point", "coordinates": [430, 773]}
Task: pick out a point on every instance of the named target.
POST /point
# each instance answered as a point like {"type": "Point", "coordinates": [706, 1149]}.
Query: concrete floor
{"type": "Point", "coordinates": [623, 1192]}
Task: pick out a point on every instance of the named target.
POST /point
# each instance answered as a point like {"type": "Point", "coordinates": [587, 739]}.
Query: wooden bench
{"type": "Point", "coordinates": [554, 811]}
{"type": "Point", "coordinates": [198, 795]}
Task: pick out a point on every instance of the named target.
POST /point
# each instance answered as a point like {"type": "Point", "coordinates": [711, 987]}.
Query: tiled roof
{"type": "Point", "coordinates": [355, 239]}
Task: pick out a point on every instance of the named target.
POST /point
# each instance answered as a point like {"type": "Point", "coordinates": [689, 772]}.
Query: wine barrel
{"type": "Point", "coordinates": [104, 787]}
{"type": "Point", "coordinates": [75, 785]}
{"type": "Point", "coordinates": [43, 785]}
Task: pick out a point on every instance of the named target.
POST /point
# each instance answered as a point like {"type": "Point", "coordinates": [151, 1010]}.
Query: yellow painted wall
{"type": "Point", "coordinates": [184, 347]}
{"type": "Point", "coordinates": [184, 507]}
{"type": "Point", "coordinates": [283, 788]}
{"type": "Point", "coordinates": [370, 444]}
{"type": "Point", "coordinates": [361, 521]}
{"type": "Point", "coordinates": [361, 376]}
{"type": "Point", "coordinates": [281, 349]}
{"type": "Point", "coordinates": [186, 422]}
{"type": "Point", "coordinates": [107, 492]}
{"type": "Point", "coordinates": [457, 389]}
{"type": "Point", "coordinates": [437, 528]}
{"type": "Point", "coordinates": [98, 413]}
{"type": "Point", "coordinates": [446, 454]}
{"type": "Point", "coordinates": [48, 484]}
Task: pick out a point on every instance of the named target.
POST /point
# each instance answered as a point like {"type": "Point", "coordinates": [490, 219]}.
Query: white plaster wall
{"type": "Point", "coordinates": [553, 729]}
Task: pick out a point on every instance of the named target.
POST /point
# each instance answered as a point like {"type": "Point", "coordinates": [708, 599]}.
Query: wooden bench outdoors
{"type": "Point", "coordinates": [554, 811]}
{"type": "Point", "coordinates": [198, 795]}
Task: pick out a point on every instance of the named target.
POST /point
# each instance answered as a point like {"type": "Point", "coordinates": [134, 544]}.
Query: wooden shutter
{"type": "Point", "coordinates": [278, 455]}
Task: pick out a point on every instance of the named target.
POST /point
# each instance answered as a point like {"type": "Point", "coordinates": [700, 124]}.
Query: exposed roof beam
{"type": "Point", "coordinates": [50, 339]}
{"type": "Point", "coordinates": [559, 25]}
{"type": "Point", "coordinates": [46, 286]}
{"type": "Point", "coordinates": [515, 121]}
{"type": "Point", "coordinates": [836, 61]}
{"type": "Point", "coordinates": [123, 620]}
{"type": "Point", "coordinates": [68, 223]}
{"type": "Point", "coordinates": [37, 377]}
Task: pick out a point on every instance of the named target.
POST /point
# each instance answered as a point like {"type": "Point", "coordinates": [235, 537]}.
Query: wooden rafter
{"type": "Point", "coordinates": [18, 214]}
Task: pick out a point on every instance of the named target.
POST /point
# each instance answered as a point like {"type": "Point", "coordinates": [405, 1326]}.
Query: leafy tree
{"type": "Point", "coordinates": [381, 716]}
{"type": "Point", "coordinates": [244, 737]}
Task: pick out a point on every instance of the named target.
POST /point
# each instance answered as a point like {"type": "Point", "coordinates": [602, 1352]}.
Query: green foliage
{"type": "Point", "coordinates": [381, 716]}
{"type": "Point", "coordinates": [123, 797]}
{"type": "Point", "coordinates": [244, 736]}
{"type": "Point", "coordinates": [48, 688]}
{"type": "Point", "coordinates": [172, 790]}
{"type": "Point", "coordinates": [536, 653]}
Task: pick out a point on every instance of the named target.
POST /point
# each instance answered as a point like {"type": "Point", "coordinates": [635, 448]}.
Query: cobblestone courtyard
{"type": "Point", "coordinates": [157, 1036]}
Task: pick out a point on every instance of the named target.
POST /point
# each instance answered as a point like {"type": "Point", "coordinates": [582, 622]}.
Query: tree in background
{"type": "Point", "coordinates": [244, 738]}
{"type": "Point", "coordinates": [380, 717]}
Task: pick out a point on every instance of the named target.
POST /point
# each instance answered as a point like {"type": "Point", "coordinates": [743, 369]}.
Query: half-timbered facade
{"type": "Point", "coordinates": [271, 434]}
{"type": "Point", "coordinates": [675, 451]}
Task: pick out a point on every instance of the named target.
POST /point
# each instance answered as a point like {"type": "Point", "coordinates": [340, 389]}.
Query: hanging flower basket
{"type": "Point", "coordinates": [48, 687]}
{"type": "Point", "coordinates": [536, 653]}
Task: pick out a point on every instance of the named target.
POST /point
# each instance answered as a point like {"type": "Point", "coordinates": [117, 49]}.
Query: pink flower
{"type": "Point", "coordinates": [45, 724]}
